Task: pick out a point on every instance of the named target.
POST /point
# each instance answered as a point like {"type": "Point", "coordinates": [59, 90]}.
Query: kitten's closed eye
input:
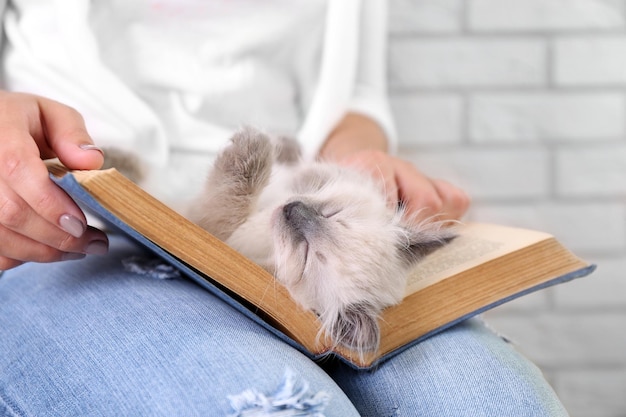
{"type": "Point", "coordinates": [330, 212]}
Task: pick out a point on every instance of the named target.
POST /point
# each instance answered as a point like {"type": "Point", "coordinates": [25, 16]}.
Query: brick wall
{"type": "Point", "coordinates": [523, 103]}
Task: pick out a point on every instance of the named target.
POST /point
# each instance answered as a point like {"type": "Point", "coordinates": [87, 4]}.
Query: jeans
{"type": "Point", "coordinates": [90, 338]}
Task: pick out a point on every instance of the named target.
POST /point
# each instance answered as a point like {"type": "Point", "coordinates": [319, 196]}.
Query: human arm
{"type": "Point", "coordinates": [38, 221]}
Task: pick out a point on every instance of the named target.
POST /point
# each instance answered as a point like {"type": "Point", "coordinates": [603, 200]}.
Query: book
{"type": "Point", "coordinates": [485, 266]}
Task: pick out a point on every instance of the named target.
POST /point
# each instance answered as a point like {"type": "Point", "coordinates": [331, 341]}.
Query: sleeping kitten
{"type": "Point", "coordinates": [325, 232]}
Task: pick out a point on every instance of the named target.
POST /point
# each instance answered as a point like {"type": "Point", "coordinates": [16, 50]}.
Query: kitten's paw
{"type": "Point", "coordinates": [356, 327]}
{"type": "Point", "coordinates": [127, 163]}
{"type": "Point", "coordinates": [247, 162]}
{"type": "Point", "coordinates": [287, 150]}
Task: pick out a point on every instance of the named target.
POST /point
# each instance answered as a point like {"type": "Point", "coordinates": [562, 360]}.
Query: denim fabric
{"type": "Point", "coordinates": [90, 338]}
{"type": "Point", "coordinates": [464, 371]}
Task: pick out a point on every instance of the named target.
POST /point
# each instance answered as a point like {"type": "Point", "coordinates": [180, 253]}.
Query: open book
{"type": "Point", "coordinates": [485, 266]}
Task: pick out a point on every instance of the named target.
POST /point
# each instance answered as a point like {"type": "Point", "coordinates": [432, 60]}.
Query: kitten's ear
{"type": "Point", "coordinates": [287, 150]}
{"type": "Point", "coordinates": [424, 239]}
{"type": "Point", "coordinates": [356, 327]}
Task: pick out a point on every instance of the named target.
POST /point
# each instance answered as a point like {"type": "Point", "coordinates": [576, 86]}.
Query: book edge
{"type": "Point", "coordinates": [578, 273]}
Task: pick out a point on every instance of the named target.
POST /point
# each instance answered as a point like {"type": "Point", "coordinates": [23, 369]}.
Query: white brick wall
{"type": "Point", "coordinates": [546, 116]}
{"type": "Point", "coordinates": [593, 392]}
{"type": "Point", "coordinates": [487, 173]}
{"type": "Point", "coordinates": [428, 119]}
{"type": "Point", "coordinates": [523, 103]}
{"type": "Point", "coordinates": [545, 15]}
{"type": "Point", "coordinates": [465, 62]}
{"type": "Point", "coordinates": [590, 60]}
{"type": "Point", "coordinates": [608, 286]}
{"type": "Point", "coordinates": [592, 171]}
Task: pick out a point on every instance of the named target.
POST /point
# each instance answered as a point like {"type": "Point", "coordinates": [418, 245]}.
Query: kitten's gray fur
{"type": "Point", "coordinates": [325, 232]}
{"type": "Point", "coordinates": [126, 163]}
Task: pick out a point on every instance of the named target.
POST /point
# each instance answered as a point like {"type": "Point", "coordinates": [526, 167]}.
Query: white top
{"type": "Point", "coordinates": [170, 80]}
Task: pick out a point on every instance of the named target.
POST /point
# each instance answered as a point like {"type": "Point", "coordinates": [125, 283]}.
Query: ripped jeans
{"type": "Point", "coordinates": [90, 338]}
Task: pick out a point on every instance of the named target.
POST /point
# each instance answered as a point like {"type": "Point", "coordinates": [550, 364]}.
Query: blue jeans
{"type": "Point", "coordinates": [89, 338]}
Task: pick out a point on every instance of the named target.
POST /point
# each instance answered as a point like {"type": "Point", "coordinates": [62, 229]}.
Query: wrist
{"type": "Point", "coordinates": [354, 133]}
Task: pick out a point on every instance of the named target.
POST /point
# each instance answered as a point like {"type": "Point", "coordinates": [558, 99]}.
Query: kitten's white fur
{"type": "Point", "coordinates": [325, 232]}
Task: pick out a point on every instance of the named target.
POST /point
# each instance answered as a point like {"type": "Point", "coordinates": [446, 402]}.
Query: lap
{"type": "Point", "coordinates": [465, 371]}
{"type": "Point", "coordinates": [89, 338]}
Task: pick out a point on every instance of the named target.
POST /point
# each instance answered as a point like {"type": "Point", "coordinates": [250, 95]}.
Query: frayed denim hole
{"type": "Point", "coordinates": [291, 399]}
{"type": "Point", "coordinates": [152, 267]}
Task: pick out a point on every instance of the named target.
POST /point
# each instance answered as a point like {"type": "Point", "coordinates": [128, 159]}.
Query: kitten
{"type": "Point", "coordinates": [325, 232]}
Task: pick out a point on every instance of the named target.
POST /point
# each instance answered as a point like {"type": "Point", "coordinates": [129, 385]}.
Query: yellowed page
{"type": "Point", "coordinates": [476, 244]}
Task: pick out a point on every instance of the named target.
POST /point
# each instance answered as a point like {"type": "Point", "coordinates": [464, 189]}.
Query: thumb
{"type": "Point", "coordinates": [66, 137]}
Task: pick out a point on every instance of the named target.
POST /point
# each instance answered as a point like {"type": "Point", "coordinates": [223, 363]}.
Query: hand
{"type": "Point", "coordinates": [38, 221]}
{"type": "Point", "coordinates": [403, 182]}
{"type": "Point", "coordinates": [359, 141]}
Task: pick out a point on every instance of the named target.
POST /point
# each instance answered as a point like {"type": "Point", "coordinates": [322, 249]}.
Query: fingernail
{"type": "Point", "coordinates": [90, 147]}
{"type": "Point", "coordinates": [72, 225]}
{"type": "Point", "coordinates": [72, 256]}
{"type": "Point", "coordinates": [97, 247]}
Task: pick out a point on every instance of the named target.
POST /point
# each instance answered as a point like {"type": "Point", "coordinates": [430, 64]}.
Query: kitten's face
{"type": "Point", "coordinates": [343, 252]}
{"type": "Point", "coordinates": [337, 239]}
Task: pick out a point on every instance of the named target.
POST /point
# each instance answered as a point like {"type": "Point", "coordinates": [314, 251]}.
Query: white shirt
{"type": "Point", "coordinates": [170, 80]}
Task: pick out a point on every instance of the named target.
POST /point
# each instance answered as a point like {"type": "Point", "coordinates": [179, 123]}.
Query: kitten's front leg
{"type": "Point", "coordinates": [239, 175]}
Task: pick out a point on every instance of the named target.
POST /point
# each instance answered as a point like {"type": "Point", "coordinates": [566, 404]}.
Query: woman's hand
{"type": "Point", "coordinates": [359, 141]}
{"type": "Point", "coordinates": [38, 221]}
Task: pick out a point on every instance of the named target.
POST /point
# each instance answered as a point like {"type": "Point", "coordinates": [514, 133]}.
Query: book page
{"type": "Point", "coordinates": [476, 244]}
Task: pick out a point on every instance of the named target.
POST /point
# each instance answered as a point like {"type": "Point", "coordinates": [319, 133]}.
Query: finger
{"type": "Point", "coordinates": [21, 248]}
{"type": "Point", "coordinates": [24, 249]}
{"type": "Point", "coordinates": [392, 191]}
{"type": "Point", "coordinates": [25, 185]}
{"type": "Point", "coordinates": [21, 169]}
{"type": "Point", "coordinates": [8, 263]}
{"type": "Point", "coordinates": [378, 165]}
{"type": "Point", "coordinates": [455, 200]}
{"type": "Point", "coordinates": [16, 215]}
{"type": "Point", "coordinates": [66, 136]}
{"type": "Point", "coordinates": [52, 128]}
{"type": "Point", "coordinates": [385, 175]}
{"type": "Point", "coordinates": [417, 192]}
